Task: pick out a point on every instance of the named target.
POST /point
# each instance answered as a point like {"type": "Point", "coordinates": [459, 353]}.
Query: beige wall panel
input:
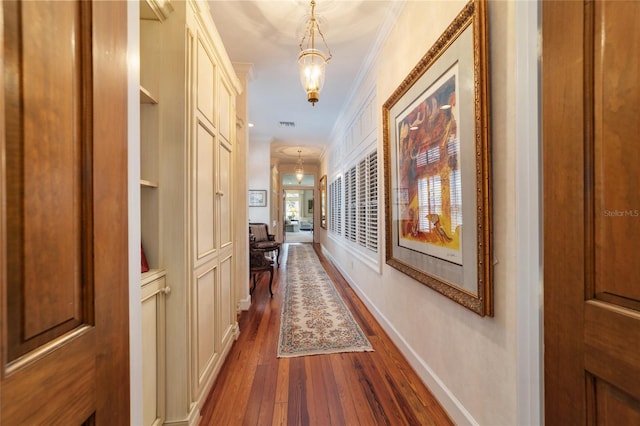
{"type": "Point", "coordinates": [205, 85]}
{"type": "Point", "coordinates": [204, 189]}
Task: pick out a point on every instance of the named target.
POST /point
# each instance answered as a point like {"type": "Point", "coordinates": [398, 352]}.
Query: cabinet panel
{"type": "Point", "coordinates": [224, 181]}
{"type": "Point", "coordinates": [225, 111]}
{"type": "Point", "coordinates": [227, 310]}
{"type": "Point", "coordinates": [204, 192]}
{"type": "Point", "coordinates": [153, 350]}
{"type": "Point", "coordinates": [205, 320]}
{"type": "Point", "coordinates": [205, 84]}
{"type": "Point", "coordinates": [150, 357]}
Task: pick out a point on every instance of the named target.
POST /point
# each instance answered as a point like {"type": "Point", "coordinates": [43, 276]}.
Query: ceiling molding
{"type": "Point", "coordinates": [372, 58]}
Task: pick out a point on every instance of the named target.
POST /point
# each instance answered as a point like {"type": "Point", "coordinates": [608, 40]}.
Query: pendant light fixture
{"type": "Point", "coordinates": [311, 60]}
{"type": "Point", "coordinates": [299, 170]}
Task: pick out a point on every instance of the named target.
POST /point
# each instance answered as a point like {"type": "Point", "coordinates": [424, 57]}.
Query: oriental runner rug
{"type": "Point", "coordinates": [314, 319]}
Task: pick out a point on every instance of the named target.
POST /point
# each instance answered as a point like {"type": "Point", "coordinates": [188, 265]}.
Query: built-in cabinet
{"type": "Point", "coordinates": [188, 125]}
{"type": "Point", "coordinates": [154, 284]}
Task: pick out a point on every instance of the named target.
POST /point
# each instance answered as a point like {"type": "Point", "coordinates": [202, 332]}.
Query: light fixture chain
{"type": "Point", "coordinates": [325, 44]}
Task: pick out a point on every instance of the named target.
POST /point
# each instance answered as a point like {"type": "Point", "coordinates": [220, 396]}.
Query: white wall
{"type": "Point", "coordinates": [259, 172]}
{"type": "Point", "coordinates": [469, 362]}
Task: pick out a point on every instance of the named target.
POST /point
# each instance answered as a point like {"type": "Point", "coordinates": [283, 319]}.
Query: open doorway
{"type": "Point", "coordinates": [298, 215]}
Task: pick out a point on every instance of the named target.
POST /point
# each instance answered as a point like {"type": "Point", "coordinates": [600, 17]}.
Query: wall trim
{"type": "Point", "coordinates": [445, 397]}
{"type": "Point", "coordinates": [133, 167]}
{"type": "Point", "coordinates": [529, 317]}
{"type": "Point", "coordinates": [193, 419]}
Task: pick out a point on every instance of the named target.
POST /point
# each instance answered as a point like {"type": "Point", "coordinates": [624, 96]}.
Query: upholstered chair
{"type": "Point", "coordinates": [262, 240]}
{"type": "Point", "coordinates": [258, 263]}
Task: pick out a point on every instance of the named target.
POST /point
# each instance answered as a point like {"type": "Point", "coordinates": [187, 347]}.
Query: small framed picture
{"type": "Point", "coordinates": [257, 197]}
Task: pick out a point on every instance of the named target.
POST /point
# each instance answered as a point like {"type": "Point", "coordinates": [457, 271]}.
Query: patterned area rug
{"type": "Point", "coordinates": [315, 320]}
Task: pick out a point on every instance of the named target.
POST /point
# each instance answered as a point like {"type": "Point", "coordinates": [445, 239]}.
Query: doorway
{"type": "Point", "coordinates": [298, 211]}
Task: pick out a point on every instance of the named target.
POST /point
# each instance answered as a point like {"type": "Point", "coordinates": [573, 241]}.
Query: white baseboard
{"type": "Point", "coordinates": [445, 397]}
{"type": "Point", "coordinates": [192, 419]}
{"type": "Point", "coordinates": [245, 304]}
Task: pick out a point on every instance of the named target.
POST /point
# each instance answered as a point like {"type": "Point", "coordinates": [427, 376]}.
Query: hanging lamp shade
{"type": "Point", "coordinates": [312, 61]}
{"type": "Point", "coordinates": [299, 170]}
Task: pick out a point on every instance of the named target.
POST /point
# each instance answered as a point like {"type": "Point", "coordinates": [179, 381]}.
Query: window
{"type": "Point", "coordinates": [429, 201]}
{"type": "Point", "coordinates": [361, 203]}
{"type": "Point", "coordinates": [339, 205]}
{"type": "Point", "coordinates": [455, 191]}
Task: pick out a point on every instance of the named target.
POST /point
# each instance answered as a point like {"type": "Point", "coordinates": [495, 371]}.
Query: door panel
{"type": "Point", "coordinates": [51, 164]}
{"type": "Point", "coordinates": [615, 408]}
{"type": "Point", "coordinates": [591, 166]}
{"type": "Point", "coordinates": [63, 218]}
{"type": "Point", "coordinates": [70, 391]}
{"type": "Point", "coordinates": [617, 150]}
{"type": "Point", "coordinates": [44, 157]}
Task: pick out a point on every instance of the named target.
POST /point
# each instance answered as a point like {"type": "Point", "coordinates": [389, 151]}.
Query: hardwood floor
{"type": "Point", "coordinates": [367, 388]}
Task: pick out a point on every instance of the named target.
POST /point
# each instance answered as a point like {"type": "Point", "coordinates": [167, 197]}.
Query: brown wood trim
{"type": "Point", "coordinates": [85, 88]}
{"type": "Point", "coordinates": [110, 181]}
{"type": "Point", "coordinates": [602, 319]}
{"type": "Point", "coordinates": [563, 209]}
{"type": "Point", "coordinates": [589, 149]}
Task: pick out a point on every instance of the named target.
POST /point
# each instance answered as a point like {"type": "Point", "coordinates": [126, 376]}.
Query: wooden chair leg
{"type": "Point", "coordinates": [251, 290]}
{"type": "Point", "coordinates": [271, 280]}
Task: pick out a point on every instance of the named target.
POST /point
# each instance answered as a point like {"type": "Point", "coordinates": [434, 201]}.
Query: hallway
{"type": "Point", "coordinates": [256, 388]}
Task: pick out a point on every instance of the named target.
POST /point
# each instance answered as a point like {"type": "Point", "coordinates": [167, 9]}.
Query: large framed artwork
{"type": "Point", "coordinates": [437, 162]}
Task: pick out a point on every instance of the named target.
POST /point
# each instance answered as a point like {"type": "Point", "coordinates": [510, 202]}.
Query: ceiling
{"type": "Point", "coordinates": [267, 34]}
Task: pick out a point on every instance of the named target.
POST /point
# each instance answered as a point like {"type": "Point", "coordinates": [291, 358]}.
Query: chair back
{"type": "Point", "coordinates": [259, 231]}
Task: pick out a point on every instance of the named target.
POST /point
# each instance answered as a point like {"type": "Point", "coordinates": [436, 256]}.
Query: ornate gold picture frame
{"type": "Point", "coordinates": [323, 202]}
{"type": "Point", "coordinates": [437, 165]}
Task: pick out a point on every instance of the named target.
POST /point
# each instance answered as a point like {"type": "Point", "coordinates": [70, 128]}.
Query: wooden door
{"type": "Point", "coordinates": [63, 215]}
{"type": "Point", "coordinates": [591, 162]}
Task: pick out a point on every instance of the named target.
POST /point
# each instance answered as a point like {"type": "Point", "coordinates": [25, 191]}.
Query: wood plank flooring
{"type": "Point", "coordinates": [367, 388]}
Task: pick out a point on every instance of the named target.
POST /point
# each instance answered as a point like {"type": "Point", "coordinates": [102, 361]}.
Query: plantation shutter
{"type": "Point", "coordinates": [350, 197]}
{"type": "Point", "coordinates": [372, 198]}
{"type": "Point", "coordinates": [338, 204]}
{"type": "Point", "coordinates": [334, 207]}
{"type": "Point", "coordinates": [362, 203]}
